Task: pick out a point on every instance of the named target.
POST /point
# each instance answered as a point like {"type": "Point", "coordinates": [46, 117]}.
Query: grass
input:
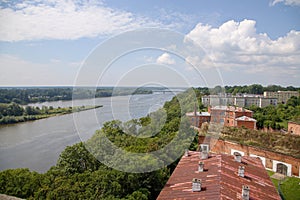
{"type": "Point", "coordinates": [290, 187]}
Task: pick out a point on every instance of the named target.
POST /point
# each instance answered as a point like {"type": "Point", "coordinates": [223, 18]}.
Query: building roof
{"type": "Point", "coordinates": [191, 114]}
{"type": "Point", "coordinates": [245, 118]}
{"type": "Point", "coordinates": [219, 108]}
{"type": "Point", "coordinates": [219, 179]}
{"type": "Point", "coordinates": [230, 108]}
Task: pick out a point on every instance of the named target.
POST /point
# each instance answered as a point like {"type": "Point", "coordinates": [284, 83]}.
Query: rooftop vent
{"type": "Point", "coordinates": [241, 171]}
{"type": "Point", "coordinates": [186, 153]}
{"type": "Point", "coordinates": [237, 157]}
{"type": "Point", "coordinates": [196, 185]}
{"type": "Point", "coordinates": [245, 192]}
{"type": "Point", "coordinates": [201, 167]}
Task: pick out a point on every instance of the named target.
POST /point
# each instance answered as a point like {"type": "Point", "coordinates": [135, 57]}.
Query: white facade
{"type": "Point", "coordinates": [289, 167]}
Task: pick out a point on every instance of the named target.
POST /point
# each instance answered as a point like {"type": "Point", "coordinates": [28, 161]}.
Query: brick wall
{"type": "Point", "coordinates": [246, 124]}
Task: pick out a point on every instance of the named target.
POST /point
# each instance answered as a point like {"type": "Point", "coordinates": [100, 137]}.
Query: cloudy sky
{"type": "Point", "coordinates": [55, 42]}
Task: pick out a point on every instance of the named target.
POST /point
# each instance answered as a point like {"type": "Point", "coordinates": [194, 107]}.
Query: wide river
{"type": "Point", "coordinates": [36, 145]}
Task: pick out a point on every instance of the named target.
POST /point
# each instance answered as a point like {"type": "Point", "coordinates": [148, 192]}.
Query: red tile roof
{"type": "Point", "coordinates": [220, 179]}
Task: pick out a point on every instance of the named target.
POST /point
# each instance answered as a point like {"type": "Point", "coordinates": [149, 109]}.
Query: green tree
{"type": "Point", "coordinates": [77, 159]}
{"type": "Point", "coordinates": [19, 182]}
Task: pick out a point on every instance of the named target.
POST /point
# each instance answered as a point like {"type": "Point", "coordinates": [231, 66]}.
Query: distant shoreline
{"type": "Point", "coordinates": [56, 112]}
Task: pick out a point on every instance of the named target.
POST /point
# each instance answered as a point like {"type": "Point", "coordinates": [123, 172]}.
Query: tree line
{"type": "Point", "coordinates": [33, 95]}
{"type": "Point", "coordinates": [247, 89]}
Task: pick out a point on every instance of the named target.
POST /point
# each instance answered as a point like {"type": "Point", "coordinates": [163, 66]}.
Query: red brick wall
{"type": "Point", "coordinates": [246, 124]}
{"type": "Point", "coordinates": [221, 146]}
{"type": "Point", "coordinates": [243, 113]}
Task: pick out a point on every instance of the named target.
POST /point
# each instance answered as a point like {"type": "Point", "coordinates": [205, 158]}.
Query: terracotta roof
{"type": "Point", "coordinates": [220, 179]}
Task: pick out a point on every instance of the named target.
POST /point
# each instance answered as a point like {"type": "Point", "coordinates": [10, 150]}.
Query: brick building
{"type": "Point", "coordinates": [198, 118]}
{"type": "Point", "coordinates": [200, 175]}
{"type": "Point", "coordinates": [224, 115]}
{"type": "Point", "coordinates": [234, 113]}
{"type": "Point", "coordinates": [246, 122]}
{"type": "Point", "coordinates": [217, 114]}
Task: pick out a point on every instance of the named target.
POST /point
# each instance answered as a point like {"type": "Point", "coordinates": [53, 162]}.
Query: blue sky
{"type": "Point", "coordinates": [245, 42]}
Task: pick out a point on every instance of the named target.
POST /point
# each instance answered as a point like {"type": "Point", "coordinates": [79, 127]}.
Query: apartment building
{"type": "Point", "coordinates": [282, 96]}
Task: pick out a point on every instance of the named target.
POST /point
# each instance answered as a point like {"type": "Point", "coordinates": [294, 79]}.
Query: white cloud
{"type": "Point", "coordinates": [55, 19]}
{"type": "Point", "coordinates": [237, 47]}
{"type": "Point", "coordinates": [287, 2]}
{"type": "Point", "coordinates": [165, 58]}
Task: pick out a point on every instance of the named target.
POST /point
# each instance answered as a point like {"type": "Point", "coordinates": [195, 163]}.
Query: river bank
{"type": "Point", "coordinates": [47, 112]}
{"type": "Point", "coordinates": [37, 144]}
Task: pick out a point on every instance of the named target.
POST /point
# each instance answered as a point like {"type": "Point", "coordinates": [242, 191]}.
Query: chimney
{"type": "Point", "coordinates": [203, 155]}
{"type": "Point", "coordinates": [245, 192]}
{"type": "Point", "coordinates": [237, 157]}
{"type": "Point", "coordinates": [241, 171]}
{"type": "Point", "coordinates": [186, 153]}
{"type": "Point", "coordinates": [204, 149]}
{"type": "Point", "coordinates": [201, 167]}
{"type": "Point", "coordinates": [196, 185]}
{"type": "Point", "coordinates": [195, 109]}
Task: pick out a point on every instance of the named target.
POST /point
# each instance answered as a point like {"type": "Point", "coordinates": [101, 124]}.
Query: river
{"type": "Point", "coordinates": [36, 145]}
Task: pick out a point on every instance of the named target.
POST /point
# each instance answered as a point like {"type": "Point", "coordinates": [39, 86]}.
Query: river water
{"type": "Point", "coordinates": [36, 145]}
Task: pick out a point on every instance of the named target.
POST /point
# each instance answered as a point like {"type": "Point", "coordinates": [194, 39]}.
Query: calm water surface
{"type": "Point", "coordinates": [36, 145]}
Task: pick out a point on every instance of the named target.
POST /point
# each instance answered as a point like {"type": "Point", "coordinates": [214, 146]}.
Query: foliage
{"type": "Point", "coordinates": [78, 175]}
{"type": "Point", "coordinates": [276, 117]}
{"type": "Point", "coordinates": [257, 89]}
{"type": "Point", "coordinates": [19, 182]}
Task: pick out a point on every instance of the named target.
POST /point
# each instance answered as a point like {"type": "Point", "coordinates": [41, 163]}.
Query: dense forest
{"type": "Point", "coordinates": [33, 95]}
{"type": "Point", "coordinates": [79, 175]}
